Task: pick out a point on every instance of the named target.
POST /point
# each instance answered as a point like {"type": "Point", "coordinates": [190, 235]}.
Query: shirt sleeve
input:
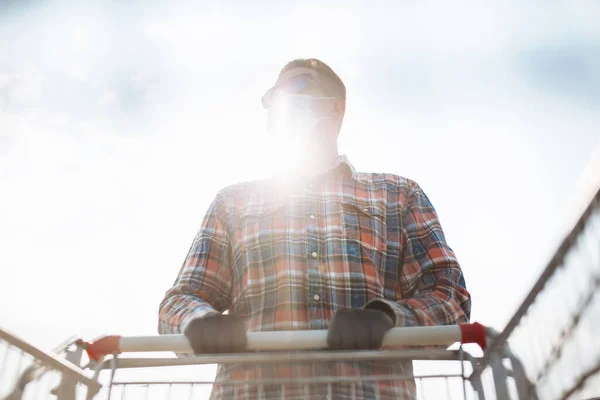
{"type": "Point", "coordinates": [203, 285]}
{"type": "Point", "coordinates": [432, 289]}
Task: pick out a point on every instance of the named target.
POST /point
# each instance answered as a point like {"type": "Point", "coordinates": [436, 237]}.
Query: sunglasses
{"type": "Point", "coordinates": [291, 85]}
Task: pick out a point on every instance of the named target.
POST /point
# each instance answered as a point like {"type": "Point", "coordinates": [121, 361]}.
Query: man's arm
{"type": "Point", "coordinates": [432, 288]}
{"type": "Point", "coordinates": [203, 286]}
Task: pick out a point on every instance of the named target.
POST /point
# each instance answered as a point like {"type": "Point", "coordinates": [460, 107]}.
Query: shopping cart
{"type": "Point", "coordinates": [128, 368]}
{"type": "Point", "coordinates": [555, 330]}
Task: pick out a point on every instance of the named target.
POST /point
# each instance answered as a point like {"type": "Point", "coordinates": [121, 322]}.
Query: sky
{"type": "Point", "coordinates": [119, 122]}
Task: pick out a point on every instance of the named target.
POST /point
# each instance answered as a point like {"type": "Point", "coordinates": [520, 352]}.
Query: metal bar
{"type": "Point", "coordinates": [553, 265]}
{"type": "Point", "coordinates": [581, 381]}
{"type": "Point", "coordinates": [316, 379]}
{"type": "Point", "coordinates": [68, 386]}
{"type": "Point", "coordinates": [298, 340]}
{"type": "Point", "coordinates": [500, 377]}
{"type": "Point", "coordinates": [51, 360]}
{"type": "Point", "coordinates": [477, 386]}
{"type": "Point", "coordinates": [270, 357]}
{"type": "Point", "coordinates": [4, 358]}
{"type": "Point", "coordinates": [524, 387]}
{"type": "Point", "coordinates": [462, 370]}
{"type": "Point", "coordinates": [192, 391]}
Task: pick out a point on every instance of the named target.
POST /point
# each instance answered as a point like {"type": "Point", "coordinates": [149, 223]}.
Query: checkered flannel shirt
{"type": "Point", "coordinates": [287, 254]}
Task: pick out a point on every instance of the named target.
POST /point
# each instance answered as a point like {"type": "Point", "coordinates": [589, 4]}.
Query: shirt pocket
{"type": "Point", "coordinates": [364, 245]}
{"type": "Point", "coordinates": [364, 224]}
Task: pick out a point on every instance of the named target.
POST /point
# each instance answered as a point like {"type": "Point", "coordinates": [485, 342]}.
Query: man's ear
{"type": "Point", "coordinates": [339, 108]}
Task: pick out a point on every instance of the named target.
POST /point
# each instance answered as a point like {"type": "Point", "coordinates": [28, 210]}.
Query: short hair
{"type": "Point", "coordinates": [319, 66]}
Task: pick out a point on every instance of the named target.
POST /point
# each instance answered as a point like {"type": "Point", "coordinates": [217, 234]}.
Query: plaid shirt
{"type": "Point", "coordinates": [287, 254]}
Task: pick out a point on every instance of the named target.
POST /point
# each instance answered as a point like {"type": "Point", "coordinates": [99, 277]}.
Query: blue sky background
{"type": "Point", "coordinates": [119, 122]}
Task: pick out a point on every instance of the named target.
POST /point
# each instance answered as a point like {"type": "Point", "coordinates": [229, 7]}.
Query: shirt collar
{"type": "Point", "coordinates": [341, 168]}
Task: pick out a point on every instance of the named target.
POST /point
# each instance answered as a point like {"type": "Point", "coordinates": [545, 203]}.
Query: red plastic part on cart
{"type": "Point", "coordinates": [473, 333]}
{"type": "Point", "coordinates": [104, 346]}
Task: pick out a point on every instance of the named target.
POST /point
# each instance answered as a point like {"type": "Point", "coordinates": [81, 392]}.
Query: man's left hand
{"type": "Point", "coordinates": [358, 329]}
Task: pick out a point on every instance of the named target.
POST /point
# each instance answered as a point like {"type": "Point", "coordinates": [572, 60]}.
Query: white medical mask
{"type": "Point", "coordinates": [292, 116]}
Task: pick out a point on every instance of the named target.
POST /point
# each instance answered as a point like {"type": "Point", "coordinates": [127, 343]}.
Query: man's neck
{"type": "Point", "coordinates": [316, 165]}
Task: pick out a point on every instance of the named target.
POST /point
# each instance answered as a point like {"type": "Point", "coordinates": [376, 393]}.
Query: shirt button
{"type": "Point", "coordinates": [316, 297]}
{"type": "Point", "coordinates": [311, 216]}
{"type": "Point", "coordinates": [314, 254]}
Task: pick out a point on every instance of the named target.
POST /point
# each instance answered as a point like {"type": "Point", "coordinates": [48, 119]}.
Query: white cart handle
{"type": "Point", "coordinates": [292, 340]}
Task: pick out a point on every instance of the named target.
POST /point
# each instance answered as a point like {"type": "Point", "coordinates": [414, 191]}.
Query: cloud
{"type": "Point", "coordinates": [109, 99]}
{"type": "Point", "coordinates": [20, 89]}
{"type": "Point", "coordinates": [76, 71]}
{"type": "Point", "coordinates": [564, 69]}
{"type": "Point", "coordinates": [6, 142]}
{"type": "Point", "coordinates": [80, 38]}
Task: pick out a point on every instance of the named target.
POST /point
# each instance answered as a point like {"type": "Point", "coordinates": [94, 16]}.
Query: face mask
{"type": "Point", "coordinates": [291, 115]}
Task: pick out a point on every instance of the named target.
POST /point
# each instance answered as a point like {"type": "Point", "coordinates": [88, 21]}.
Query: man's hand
{"type": "Point", "coordinates": [358, 329]}
{"type": "Point", "coordinates": [217, 334]}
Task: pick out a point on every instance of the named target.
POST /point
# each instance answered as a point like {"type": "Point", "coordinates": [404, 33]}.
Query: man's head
{"type": "Point", "coordinates": [307, 103]}
{"type": "Point", "coordinates": [325, 75]}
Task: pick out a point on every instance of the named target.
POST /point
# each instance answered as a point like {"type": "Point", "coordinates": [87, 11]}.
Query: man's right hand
{"type": "Point", "coordinates": [217, 334]}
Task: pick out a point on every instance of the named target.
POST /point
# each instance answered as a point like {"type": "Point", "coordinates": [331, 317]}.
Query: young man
{"type": "Point", "coordinates": [326, 248]}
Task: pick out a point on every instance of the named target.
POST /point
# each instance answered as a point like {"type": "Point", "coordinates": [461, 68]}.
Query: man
{"type": "Point", "coordinates": [325, 248]}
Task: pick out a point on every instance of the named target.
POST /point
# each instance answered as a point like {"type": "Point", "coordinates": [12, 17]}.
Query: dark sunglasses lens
{"type": "Point", "coordinates": [294, 84]}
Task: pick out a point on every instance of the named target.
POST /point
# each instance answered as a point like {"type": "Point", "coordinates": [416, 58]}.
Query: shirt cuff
{"type": "Point", "coordinates": [196, 313]}
{"type": "Point", "coordinates": [400, 314]}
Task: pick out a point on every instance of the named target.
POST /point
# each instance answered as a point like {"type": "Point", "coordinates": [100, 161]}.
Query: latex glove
{"type": "Point", "coordinates": [217, 334]}
{"type": "Point", "coordinates": [358, 329]}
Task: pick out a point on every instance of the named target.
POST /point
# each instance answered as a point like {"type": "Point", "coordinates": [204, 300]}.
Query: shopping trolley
{"type": "Point", "coordinates": [557, 336]}
{"type": "Point", "coordinates": [115, 367]}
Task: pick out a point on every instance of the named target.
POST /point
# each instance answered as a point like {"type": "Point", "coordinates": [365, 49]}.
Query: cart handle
{"type": "Point", "coordinates": [291, 340]}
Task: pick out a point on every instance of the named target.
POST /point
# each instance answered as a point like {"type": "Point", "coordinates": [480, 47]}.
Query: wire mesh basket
{"type": "Point", "coordinates": [555, 330]}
